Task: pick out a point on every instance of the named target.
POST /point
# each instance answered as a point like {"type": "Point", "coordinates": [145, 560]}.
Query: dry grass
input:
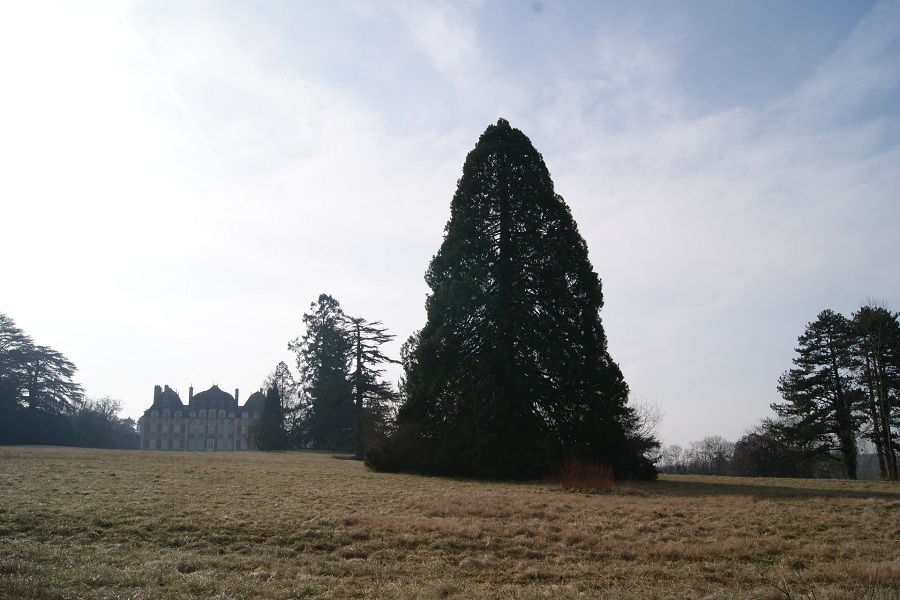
{"type": "Point", "coordinates": [108, 524]}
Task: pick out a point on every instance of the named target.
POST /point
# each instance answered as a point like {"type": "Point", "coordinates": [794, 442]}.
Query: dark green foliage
{"type": "Point", "coordinates": [821, 399]}
{"type": "Point", "coordinates": [98, 425]}
{"type": "Point", "coordinates": [510, 377]}
{"type": "Point", "coordinates": [878, 352]}
{"type": "Point", "coordinates": [291, 406]}
{"type": "Point", "coordinates": [371, 395]}
{"type": "Point", "coordinates": [37, 394]}
{"type": "Point", "coordinates": [344, 403]}
{"type": "Point", "coordinates": [323, 357]}
{"type": "Point", "coordinates": [845, 385]}
{"type": "Point", "coordinates": [270, 432]}
{"type": "Point", "coordinates": [766, 452]}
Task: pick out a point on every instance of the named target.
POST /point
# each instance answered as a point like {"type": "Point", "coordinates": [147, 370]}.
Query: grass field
{"type": "Point", "coordinates": [114, 524]}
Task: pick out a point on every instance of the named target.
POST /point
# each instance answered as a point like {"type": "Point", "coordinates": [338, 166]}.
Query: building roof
{"type": "Point", "coordinates": [165, 399]}
{"type": "Point", "coordinates": [213, 398]}
{"type": "Point", "coordinates": [255, 402]}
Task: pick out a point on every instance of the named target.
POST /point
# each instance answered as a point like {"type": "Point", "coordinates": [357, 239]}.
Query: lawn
{"type": "Point", "coordinates": [115, 524]}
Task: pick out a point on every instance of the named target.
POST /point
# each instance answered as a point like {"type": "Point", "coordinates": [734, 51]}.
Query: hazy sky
{"type": "Point", "coordinates": [180, 180]}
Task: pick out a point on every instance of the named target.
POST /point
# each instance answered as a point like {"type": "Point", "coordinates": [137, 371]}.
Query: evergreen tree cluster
{"type": "Point", "coordinates": [845, 384]}
{"type": "Point", "coordinates": [41, 404]}
{"type": "Point", "coordinates": [270, 433]}
{"type": "Point", "coordinates": [342, 401]}
{"type": "Point", "coordinates": [510, 376]}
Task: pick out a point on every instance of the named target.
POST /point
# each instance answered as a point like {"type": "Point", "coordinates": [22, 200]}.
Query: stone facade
{"type": "Point", "coordinates": [212, 420]}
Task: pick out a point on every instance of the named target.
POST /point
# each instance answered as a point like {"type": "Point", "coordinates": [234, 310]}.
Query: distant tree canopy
{"type": "Point", "coordinates": [291, 406]}
{"type": "Point", "coordinates": [343, 400]}
{"type": "Point", "coordinates": [845, 384]}
{"type": "Point", "coordinates": [710, 456]}
{"type": "Point", "coordinates": [510, 377]}
{"type": "Point", "coordinates": [37, 394]}
{"type": "Point", "coordinates": [41, 404]}
{"type": "Point", "coordinates": [98, 425]}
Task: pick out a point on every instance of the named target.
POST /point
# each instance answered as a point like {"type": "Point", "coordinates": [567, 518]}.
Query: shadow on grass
{"type": "Point", "coordinates": [762, 488]}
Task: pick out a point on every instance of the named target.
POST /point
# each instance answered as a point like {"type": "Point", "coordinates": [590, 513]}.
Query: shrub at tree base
{"type": "Point", "coordinates": [585, 476]}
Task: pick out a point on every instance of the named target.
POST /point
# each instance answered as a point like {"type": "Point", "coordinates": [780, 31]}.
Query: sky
{"type": "Point", "coordinates": [179, 181]}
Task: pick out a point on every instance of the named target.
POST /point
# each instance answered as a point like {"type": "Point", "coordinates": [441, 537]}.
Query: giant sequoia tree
{"type": "Point", "coordinates": [511, 376]}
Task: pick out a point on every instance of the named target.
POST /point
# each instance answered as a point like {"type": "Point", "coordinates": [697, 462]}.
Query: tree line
{"type": "Point", "coordinates": [843, 391]}
{"type": "Point", "coordinates": [41, 404]}
{"type": "Point", "coordinates": [844, 386]}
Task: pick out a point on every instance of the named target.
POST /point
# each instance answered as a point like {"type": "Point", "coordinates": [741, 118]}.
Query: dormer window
{"type": "Point", "coordinates": [165, 414]}
{"type": "Point", "coordinates": [154, 413]}
{"type": "Point", "coordinates": [221, 414]}
{"type": "Point", "coordinates": [202, 414]}
{"type": "Point", "coordinates": [177, 414]}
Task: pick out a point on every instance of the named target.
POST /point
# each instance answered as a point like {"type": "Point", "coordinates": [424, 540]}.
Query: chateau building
{"type": "Point", "coordinates": [212, 420]}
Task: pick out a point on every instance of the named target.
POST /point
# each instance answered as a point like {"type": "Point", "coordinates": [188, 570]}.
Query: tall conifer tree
{"type": "Point", "coordinates": [821, 396]}
{"type": "Point", "coordinates": [323, 359]}
{"type": "Point", "coordinates": [510, 375]}
{"type": "Point", "coordinates": [371, 394]}
{"type": "Point", "coordinates": [878, 352]}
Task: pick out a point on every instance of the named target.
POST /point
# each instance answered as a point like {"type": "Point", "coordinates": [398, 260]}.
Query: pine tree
{"type": "Point", "coordinates": [511, 376]}
{"type": "Point", "coordinates": [370, 393]}
{"type": "Point", "coordinates": [323, 360]}
{"type": "Point", "coordinates": [821, 398]}
{"type": "Point", "coordinates": [878, 349]}
{"type": "Point", "coordinates": [291, 407]}
{"type": "Point", "coordinates": [270, 433]}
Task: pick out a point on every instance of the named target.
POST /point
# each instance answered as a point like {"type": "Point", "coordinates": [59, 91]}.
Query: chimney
{"type": "Point", "coordinates": [236, 396]}
{"type": "Point", "coordinates": [190, 394]}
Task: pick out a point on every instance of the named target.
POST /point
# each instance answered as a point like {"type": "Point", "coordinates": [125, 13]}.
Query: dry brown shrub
{"type": "Point", "coordinates": [585, 476]}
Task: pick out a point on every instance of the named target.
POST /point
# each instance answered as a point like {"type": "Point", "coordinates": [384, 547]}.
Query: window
{"type": "Point", "coordinates": [177, 414]}
{"type": "Point", "coordinates": [166, 414]}
{"type": "Point", "coordinates": [221, 414]}
{"type": "Point", "coordinates": [210, 444]}
{"type": "Point", "coordinates": [154, 413]}
{"type": "Point", "coordinates": [193, 414]}
{"type": "Point", "coordinates": [202, 414]}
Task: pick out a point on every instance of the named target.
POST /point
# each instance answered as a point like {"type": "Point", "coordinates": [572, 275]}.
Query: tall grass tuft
{"type": "Point", "coordinates": [585, 476]}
